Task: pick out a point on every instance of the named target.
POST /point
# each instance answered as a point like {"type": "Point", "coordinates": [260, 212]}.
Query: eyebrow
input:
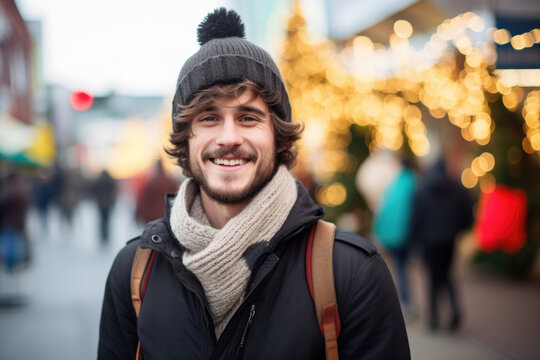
{"type": "Point", "coordinates": [210, 108]}
{"type": "Point", "coordinates": [243, 108]}
{"type": "Point", "coordinates": [253, 109]}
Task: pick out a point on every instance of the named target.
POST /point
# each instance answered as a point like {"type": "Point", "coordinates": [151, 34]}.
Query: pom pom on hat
{"type": "Point", "coordinates": [221, 23]}
{"type": "Point", "coordinates": [225, 57]}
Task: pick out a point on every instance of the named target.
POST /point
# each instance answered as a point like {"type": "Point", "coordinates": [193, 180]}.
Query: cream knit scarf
{"type": "Point", "coordinates": [217, 257]}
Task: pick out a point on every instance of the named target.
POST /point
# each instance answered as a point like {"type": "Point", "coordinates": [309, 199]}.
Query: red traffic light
{"type": "Point", "coordinates": [81, 100]}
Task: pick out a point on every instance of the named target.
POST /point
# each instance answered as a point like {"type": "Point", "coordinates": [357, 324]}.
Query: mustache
{"type": "Point", "coordinates": [231, 152]}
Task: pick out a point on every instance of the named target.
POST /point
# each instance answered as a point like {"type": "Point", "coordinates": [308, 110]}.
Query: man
{"type": "Point", "coordinates": [229, 280]}
{"type": "Point", "coordinates": [104, 191]}
{"type": "Point", "coordinates": [150, 199]}
{"type": "Point", "coordinates": [442, 209]}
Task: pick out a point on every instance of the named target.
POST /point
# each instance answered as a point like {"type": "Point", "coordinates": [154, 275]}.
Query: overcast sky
{"type": "Point", "coordinates": [130, 46]}
{"type": "Point", "coordinates": [137, 47]}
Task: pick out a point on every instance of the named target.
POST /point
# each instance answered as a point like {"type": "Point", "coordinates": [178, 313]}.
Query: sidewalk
{"type": "Point", "coordinates": [501, 318]}
{"type": "Point", "coordinates": [446, 346]}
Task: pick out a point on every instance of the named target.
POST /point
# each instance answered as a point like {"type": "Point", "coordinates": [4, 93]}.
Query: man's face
{"type": "Point", "coordinates": [231, 152]}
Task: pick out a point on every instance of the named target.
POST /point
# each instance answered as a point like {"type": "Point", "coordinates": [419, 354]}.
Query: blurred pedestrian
{"type": "Point", "coordinates": [442, 208]}
{"type": "Point", "coordinates": [104, 192]}
{"type": "Point", "coordinates": [46, 186]}
{"type": "Point", "coordinates": [228, 274]}
{"type": "Point", "coordinates": [72, 188]}
{"type": "Point", "coordinates": [391, 228]}
{"type": "Point", "coordinates": [15, 192]}
{"type": "Point", "coordinates": [151, 201]}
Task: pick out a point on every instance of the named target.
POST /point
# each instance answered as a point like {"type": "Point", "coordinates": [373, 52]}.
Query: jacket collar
{"type": "Point", "coordinates": [304, 213]}
{"type": "Point", "coordinates": [159, 236]}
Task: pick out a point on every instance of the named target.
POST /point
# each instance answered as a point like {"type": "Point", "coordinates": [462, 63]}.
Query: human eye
{"type": "Point", "coordinates": [208, 119]}
{"type": "Point", "coordinates": [249, 118]}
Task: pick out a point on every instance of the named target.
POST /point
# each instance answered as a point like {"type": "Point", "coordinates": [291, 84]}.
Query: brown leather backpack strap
{"type": "Point", "coordinates": [324, 291]}
{"type": "Point", "coordinates": [329, 318]}
{"type": "Point", "coordinates": [138, 276]}
{"type": "Point", "coordinates": [140, 273]}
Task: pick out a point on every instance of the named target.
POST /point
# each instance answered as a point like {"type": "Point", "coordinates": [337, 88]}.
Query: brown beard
{"type": "Point", "coordinates": [264, 175]}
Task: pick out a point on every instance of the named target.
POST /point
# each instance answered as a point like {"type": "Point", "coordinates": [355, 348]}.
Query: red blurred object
{"type": "Point", "coordinates": [500, 224]}
{"type": "Point", "coordinates": [81, 100]}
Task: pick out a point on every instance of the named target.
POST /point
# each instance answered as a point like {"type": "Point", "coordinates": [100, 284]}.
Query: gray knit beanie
{"type": "Point", "coordinates": [226, 57]}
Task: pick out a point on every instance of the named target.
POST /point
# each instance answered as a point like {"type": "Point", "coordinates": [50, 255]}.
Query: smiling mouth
{"type": "Point", "coordinates": [228, 162]}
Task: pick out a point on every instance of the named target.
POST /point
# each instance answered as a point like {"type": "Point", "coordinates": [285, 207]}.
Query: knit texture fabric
{"type": "Point", "coordinates": [218, 256]}
{"type": "Point", "coordinates": [224, 61]}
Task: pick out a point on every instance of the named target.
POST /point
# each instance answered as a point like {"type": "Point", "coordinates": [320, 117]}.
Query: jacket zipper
{"type": "Point", "coordinates": [205, 325]}
{"type": "Point", "coordinates": [247, 327]}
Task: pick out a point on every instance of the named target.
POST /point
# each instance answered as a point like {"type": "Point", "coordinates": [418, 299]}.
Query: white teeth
{"type": "Point", "coordinates": [228, 162]}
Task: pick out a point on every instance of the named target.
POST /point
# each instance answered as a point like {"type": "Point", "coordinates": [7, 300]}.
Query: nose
{"type": "Point", "coordinates": [230, 134]}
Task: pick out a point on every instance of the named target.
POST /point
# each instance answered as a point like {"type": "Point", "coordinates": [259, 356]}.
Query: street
{"type": "Point", "coordinates": [60, 319]}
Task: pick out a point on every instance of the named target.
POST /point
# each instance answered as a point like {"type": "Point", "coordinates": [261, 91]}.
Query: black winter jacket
{"type": "Point", "coordinates": [442, 208]}
{"type": "Point", "coordinates": [277, 318]}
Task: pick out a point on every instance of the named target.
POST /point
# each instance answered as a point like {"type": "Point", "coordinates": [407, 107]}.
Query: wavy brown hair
{"type": "Point", "coordinates": [285, 133]}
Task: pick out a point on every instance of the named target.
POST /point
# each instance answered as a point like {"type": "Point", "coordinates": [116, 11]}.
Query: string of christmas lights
{"type": "Point", "coordinates": [451, 77]}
